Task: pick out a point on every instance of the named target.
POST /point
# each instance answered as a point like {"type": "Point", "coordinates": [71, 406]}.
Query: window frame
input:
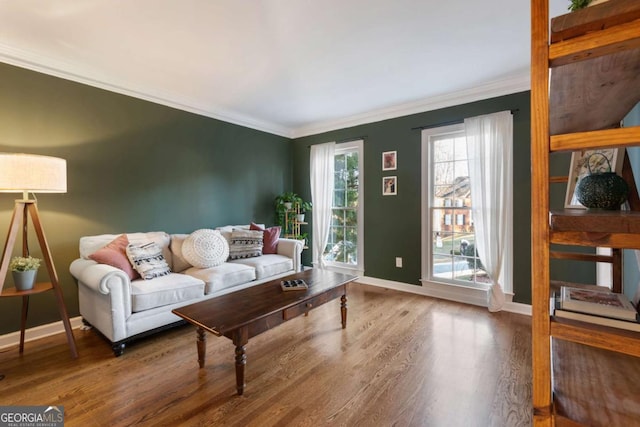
{"type": "Point", "coordinates": [428, 180]}
{"type": "Point", "coordinates": [356, 146]}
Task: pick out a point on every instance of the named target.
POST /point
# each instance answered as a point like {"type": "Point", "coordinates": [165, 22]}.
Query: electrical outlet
{"type": "Point", "coordinates": [398, 262]}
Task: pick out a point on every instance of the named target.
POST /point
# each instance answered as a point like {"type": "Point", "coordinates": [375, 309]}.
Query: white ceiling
{"type": "Point", "coordinates": [290, 67]}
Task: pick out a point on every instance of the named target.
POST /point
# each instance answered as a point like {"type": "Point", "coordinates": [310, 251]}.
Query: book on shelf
{"type": "Point", "coordinates": [598, 303]}
{"type": "Point", "coordinates": [630, 325]}
{"type": "Point", "coordinates": [598, 320]}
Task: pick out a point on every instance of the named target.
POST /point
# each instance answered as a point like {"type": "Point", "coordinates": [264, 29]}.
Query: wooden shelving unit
{"type": "Point", "coordinates": [584, 80]}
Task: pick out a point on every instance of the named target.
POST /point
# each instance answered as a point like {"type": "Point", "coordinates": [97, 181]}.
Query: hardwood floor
{"type": "Point", "coordinates": [403, 360]}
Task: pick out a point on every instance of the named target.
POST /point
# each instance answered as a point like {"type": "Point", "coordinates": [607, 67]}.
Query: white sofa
{"type": "Point", "coordinates": [123, 309]}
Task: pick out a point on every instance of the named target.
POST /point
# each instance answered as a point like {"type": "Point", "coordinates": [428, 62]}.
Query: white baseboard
{"type": "Point", "coordinates": [13, 338]}
{"type": "Point", "coordinates": [461, 294]}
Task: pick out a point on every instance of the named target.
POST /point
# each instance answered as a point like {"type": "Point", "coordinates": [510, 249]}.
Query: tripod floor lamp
{"type": "Point", "coordinates": [29, 173]}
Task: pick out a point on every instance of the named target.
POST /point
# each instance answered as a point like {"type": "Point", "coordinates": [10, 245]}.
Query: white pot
{"type": "Point", "coordinates": [300, 217]}
{"type": "Point", "coordinates": [288, 205]}
{"type": "Point", "coordinates": [24, 280]}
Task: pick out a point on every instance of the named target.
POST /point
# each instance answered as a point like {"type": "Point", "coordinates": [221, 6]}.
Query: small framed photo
{"type": "Point", "coordinates": [389, 160]}
{"type": "Point", "coordinates": [597, 163]}
{"type": "Point", "coordinates": [389, 185]}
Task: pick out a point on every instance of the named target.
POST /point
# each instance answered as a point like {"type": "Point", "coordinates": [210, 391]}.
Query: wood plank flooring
{"type": "Point", "coordinates": [403, 360]}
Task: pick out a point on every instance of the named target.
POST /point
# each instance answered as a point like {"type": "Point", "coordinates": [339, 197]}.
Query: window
{"type": "Point", "coordinates": [448, 236]}
{"type": "Point", "coordinates": [345, 244]}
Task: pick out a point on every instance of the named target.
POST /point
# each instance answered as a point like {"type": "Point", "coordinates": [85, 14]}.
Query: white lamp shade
{"type": "Point", "coordinates": [32, 173]}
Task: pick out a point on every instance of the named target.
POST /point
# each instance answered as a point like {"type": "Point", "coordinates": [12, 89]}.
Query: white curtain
{"type": "Point", "coordinates": [322, 178]}
{"type": "Point", "coordinates": [489, 149]}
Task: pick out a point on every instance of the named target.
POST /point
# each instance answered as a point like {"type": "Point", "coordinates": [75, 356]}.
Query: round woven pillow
{"type": "Point", "coordinates": [205, 248]}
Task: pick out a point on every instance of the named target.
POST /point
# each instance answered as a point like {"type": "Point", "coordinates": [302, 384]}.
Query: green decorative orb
{"type": "Point", "coordinates": [604, 190]}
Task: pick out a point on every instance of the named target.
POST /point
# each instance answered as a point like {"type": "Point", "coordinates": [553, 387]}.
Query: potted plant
{"type": "Point", "coordinates": [286, 200]}
{"type": "Point", "coordinates": [304, 237]}
{"type": "Point", "coordinates": [581, 4]}
{"type": "Point", "coordinates": [24, 270]}
{"type": "Point", "coordinates": [283, 203]}
{"type": "Point", "coordinates": [304, 207]}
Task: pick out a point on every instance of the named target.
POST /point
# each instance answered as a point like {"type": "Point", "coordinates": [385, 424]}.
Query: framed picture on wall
{"type": "Point", "coordinates": [597, 163]}
{"type": "Point", "coordinates": [389, 160]}
{"type": "Point", "coordinates": [389, 185]}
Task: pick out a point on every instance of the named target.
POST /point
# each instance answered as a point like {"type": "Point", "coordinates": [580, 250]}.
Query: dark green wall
{"type": "Point", "coordinates": [132, 165]}
{"type": "Point", "coordinates": [138, 166]}
{"type": "Point", "coordinates": [392, 223]}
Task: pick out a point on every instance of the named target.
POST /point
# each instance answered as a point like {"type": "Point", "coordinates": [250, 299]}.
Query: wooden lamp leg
{"type": "Point", "coordinates": [19, 209]}
{"type": "Point", "coordinates": [23, 321]}
{"type": "Point", "coordinates": [57, 290]}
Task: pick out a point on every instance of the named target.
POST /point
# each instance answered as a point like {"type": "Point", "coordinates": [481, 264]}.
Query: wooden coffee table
{"type": "Point", "coordinates": [248, 312]}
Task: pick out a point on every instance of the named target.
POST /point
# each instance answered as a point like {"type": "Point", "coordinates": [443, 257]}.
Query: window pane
{"type": "Point", "coordinates": [442, 150]}
{"type": "Point", "coordinates": [443, 173]}
{"type": "Point", "coordinates": [337, 219]}
{"type": "Point", "coordinates": [461, 169]}
{"type": "Point", "coordinates": [460, 148]}
{"type": "Point", "coordinates": [350, 218]}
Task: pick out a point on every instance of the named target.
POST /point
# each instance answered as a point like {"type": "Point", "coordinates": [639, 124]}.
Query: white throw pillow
{"type": "Point", "coordinates": [148, 260]}
{"type": "Point", "coordinates": [245, 244]}
{"type": "Point", "coordinates": [205, 248]}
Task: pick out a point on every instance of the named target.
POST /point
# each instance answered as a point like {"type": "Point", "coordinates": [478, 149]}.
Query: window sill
{"type": "Point", "coordinates": [475, 286]}
{"type": "Point", "coordinates": [354, 271]}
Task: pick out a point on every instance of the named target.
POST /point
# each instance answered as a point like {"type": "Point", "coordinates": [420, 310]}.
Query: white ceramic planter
{"type": "Point", "coordinates": [24, 280]}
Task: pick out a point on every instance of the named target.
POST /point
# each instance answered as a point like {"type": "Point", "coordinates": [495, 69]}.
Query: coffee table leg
{"type": "Point", "coordinates": [202, 346]}
{"type": "Point", "coordinates": [240, 339]}
{"type": "Point", "coordinates": [343, 310]}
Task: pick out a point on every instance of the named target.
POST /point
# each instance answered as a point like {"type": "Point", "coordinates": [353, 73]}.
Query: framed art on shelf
{"type": "Point", "coordinates": [580, 168]}
{"type": "Point", "coordinates": [389, 185]}
{"type": "Point", "coordinates": [389, 160]}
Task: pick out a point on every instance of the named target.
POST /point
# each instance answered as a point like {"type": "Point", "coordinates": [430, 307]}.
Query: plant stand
{"type": "Point", "coordinates": [292, 225]}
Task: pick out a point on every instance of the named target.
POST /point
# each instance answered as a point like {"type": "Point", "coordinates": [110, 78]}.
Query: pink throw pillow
{"type": "Point", "coordinates": [269, 239]}
{"type": "Point", "coordinates": [115, 255]}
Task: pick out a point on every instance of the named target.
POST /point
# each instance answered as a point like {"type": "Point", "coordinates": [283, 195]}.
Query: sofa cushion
{"type": "Point", "coordinates": [90, 244]}
{"type": "Point", "coordinates": [269, 238]}
{"type": "Point", "coordinates": [222, 276]}
{"type": "Point", "coordinates": [267, 265]}
{"type": "Point", "coordinates": [205, 248]}
{"type": "Point", "coordinates": [115, 255]}
{"type": "Point", "coordinates": [179, 263]}
{"type": "Point", "coordinates": [164, 290]}
{"type": "Point", "coordinates": [245, 244]}
{"type": "Point", "coordinates": [148, 260]}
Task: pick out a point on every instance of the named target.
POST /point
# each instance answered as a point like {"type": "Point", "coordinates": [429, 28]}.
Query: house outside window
{"type": "Point", "coordinates": [345, 244]}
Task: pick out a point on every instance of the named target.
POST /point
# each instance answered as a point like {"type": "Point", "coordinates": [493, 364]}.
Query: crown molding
{"type": "Point", "coordinates": [506, 86]}
{"type": "Point", "coordinates": [50, 66]}
{"type": "Point", "coordinates": [47, 65]}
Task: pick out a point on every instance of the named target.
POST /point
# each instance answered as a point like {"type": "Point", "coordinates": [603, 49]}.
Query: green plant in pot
{"type": "Point", "coordinates": [304, 237]}
{"type": "Point", "coordinates": [24, 271]}
{"type": "Point", "coordinates": [581, 4]}
{"type": "Point", "coordinates": [304, 208]}
{"type": "Point", "coordinates": [286, 200]}
{"type": "Point", "coordinates": [283, 203]}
